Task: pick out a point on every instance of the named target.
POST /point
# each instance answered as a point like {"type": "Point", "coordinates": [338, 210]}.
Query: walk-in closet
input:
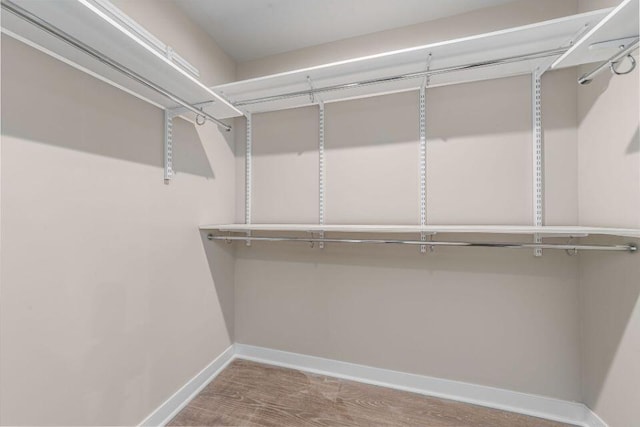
{"type": "Point", "coordinates": [320, 213]}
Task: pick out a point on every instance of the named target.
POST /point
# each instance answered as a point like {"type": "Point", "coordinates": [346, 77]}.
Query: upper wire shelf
{"type": "Point", "coordinates": [618, 28]}
{"type": "Point", "coordinates": [85, 34]}
{"type": "Point", "coordinates": [504, 53]}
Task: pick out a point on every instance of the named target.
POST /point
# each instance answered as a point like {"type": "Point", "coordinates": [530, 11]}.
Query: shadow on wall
{"type": "Point", "coordinates": [599, 86]}
{"type": "Point", "coordinates": [634, 143]}
{"type": "Point", "coordinates": [53, 103]}
{"type": "Point", "coordinates": [221, 259]}
{"type": "Point", "coordinates": [610, 302]}
{"type": "Point", "coordinates": [484, 108]}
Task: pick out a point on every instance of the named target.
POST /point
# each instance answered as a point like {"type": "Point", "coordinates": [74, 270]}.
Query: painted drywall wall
{"type": "Point", "coordinates": [479, 156]}
{"type": "Point", "coordinates": [500, 318]}
{"type": "Point", "coordinates": [483, 317]}
{"type": "Point", "coordinates": [111, 299]}
{"type": "Point", "coordinates": [610, 335]}
{"type": "Point", "coordinates": [608, 152]}
{"type": "Point", "coordinates": [609, 194]}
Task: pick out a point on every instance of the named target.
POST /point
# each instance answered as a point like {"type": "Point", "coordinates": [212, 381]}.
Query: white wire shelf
{"type": "Point", "coordinates": [619, 27]}
{"type": "Point", "coordinates": [544, 231]}
{"type": "Point", "coordinates": [529, 47]}
{"type": "Point", "coordinates": [98, 28]}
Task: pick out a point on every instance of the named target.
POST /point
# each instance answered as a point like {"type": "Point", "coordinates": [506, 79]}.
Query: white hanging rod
{"type": "Point", "coordinates": [585, 79]}
{"type": "Point", "coordinates": [432, 72]}
{"type": "Point", "coordinates": [312, 240]}
{"type": "Point", "coordinates": [67, 38]}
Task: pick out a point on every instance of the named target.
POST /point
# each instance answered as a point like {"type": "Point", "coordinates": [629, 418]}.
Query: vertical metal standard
{"type": "Point", "coordinates": [168, 146]}
{"type": "Point", "coordinates": [248, 176]}
{"type": "Point", "coordinates": [321, 170]}
{"type": "Point", "coordinates": [538, 186]}
{"type": "Point", "coordinates": [423, 154]}
{"type": "Point", "coordinates": [423, 162]}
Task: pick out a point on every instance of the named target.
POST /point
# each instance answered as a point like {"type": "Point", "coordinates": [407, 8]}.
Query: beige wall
{"type": "Point", "coordinates": [479, 157]}
{"type": "Point", "coordinates": [610, 335]}
{"type": "Point", "coordinates": [609, 194]}
{"type": "Point", "coordinates": [500, 318]}
{"type": "Point", "coordinates": [495, 318]}
{"type": "Point", "coordinates": [608, 153]}
{"type": "Point", "coordinates": [111, 300]}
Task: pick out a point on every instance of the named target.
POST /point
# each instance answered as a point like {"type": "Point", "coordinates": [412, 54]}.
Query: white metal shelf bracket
{"type": "Point", "coordinates": [248, 174]}
{"type": "Point", "coordinates": [169, 115]}
{"type": "Point", "coordinates": [538, 157]}
{"type": "Point", "coordinates": [321, 169]}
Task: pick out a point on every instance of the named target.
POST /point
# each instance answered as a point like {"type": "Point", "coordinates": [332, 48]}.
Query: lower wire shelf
{"type": "Point", "coordinates": [229, 233]}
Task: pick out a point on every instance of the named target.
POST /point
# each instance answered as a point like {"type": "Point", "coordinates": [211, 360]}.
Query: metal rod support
{"type": "Point", "coordinates": [433, 72]}
{"type": "Point", "coordinates": [560, 246]}
{"type": "Point", "coordinates": [69, 39]}
{"type": "Point", "coordinates": [585, 79]}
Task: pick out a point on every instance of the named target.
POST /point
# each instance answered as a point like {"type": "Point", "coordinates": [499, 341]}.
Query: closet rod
{"type": "Point", "coordinates": [566, 247]}
{"type": "Point", "coordinates": [433, 72]}
{"type": "Point", "coordinates": [69, 39]}
{"type": "Point", "coordinates": [585, 79]}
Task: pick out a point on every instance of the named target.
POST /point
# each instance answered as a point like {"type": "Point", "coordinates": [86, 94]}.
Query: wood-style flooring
{"type": "Point", "coordinates": [252, 394]}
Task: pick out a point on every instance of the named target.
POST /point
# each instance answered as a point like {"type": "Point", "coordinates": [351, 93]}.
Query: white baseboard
{"type": "Point", "coordinates": [170, 408]}
{"type": "Point", "coordinates": [523, 403]}
{"type": "Point", "coordinates": [492, 397]}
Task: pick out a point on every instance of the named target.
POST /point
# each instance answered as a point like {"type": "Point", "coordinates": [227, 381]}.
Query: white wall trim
{"type": "Point", "coordinates": [492, 397]}
{"type": "Point", "coordinates": [523, 403]}
{"type": "Point", "coordinates": [165, 412]}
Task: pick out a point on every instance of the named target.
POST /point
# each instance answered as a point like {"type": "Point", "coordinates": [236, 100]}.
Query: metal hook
{"type": "Point", "coordinates": [571, 252]}
{"type": "Point", "coordinates": [613, 65]}
{"type": "Point", "coordinates": [198, 122]}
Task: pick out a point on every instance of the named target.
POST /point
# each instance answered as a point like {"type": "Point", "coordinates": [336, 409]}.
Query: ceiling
{"type": "Point", "coordinates": [250, 29]}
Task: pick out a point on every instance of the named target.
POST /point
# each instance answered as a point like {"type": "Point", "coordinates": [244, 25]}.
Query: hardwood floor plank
{"type": "Point", "coordinates": [257, 395]}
